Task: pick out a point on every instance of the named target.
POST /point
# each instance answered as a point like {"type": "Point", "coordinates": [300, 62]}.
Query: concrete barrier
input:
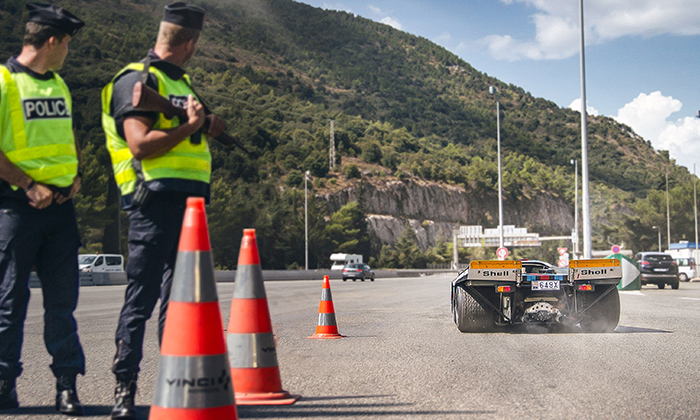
{"type": "Point", "coordinates": [229, 276]}
{"type": "Point", "coordinates": [107, 279]}
{"type": "Point", "coordinates": [287, 275]}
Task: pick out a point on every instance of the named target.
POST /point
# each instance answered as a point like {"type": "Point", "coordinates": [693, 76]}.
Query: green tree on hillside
{"type": "Point", "coordinates": [277, 70]}
{"type": "Point", "coordinates": [348, 232]}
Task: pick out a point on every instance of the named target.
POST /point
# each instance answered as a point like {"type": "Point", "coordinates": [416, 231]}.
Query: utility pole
{"type": "Point", "coordinates": [695, 199]}
{"type": "Point", "coordinates": [668, 216]}
{"type": "Point", "coordinates": [306, 222]}
{"type": "Point", "coordinates": [331, 163]}
{"type": "Point", "coordinates": [585, 199]}
{"type": "Point", "coordinates": [576, 251]}
{"type": "Point", "coordinates": [455, 254]}
{"type": "Point", "coordinates": [494, 91]}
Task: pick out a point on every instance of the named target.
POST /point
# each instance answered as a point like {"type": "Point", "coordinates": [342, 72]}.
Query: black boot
{"type": "Point", "coordinates": [67, 401]}
{"type": "Point", "coordinates": [124, 393]}
{"type": "Point", "coordinates": [8, 394]}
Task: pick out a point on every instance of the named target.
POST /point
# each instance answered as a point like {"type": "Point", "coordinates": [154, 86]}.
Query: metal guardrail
{"type": "Point", "coordinates": [114, 279]}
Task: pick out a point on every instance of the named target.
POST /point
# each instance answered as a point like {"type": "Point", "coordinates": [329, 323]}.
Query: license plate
{"type": "Point", "coordinates": [661, 269]}
{"type": "Point", "coordinates": [545, 285]}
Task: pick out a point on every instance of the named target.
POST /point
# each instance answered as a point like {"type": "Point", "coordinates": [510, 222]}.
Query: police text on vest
{"type": "Point", "coordinates": [45, 108]}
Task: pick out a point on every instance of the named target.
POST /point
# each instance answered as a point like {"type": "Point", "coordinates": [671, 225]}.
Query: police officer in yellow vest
{"type": "Point", "coordinates": [39, 175]}
{"type": "Point", "coordinates": [157, 164]}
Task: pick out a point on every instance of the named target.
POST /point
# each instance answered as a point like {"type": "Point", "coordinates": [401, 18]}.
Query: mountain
{"type": "Point", "coordinates": [405, 111]}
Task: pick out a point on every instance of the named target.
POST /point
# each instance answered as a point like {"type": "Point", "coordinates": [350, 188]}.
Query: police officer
{"type": "Point", "coordinates": [157, 164]}
{"type": "Point", "coordinates": [39, 175]}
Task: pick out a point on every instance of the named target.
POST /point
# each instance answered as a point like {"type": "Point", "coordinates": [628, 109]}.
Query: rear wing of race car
{"type": "Point", "coordinates": [495, 271]}
{"type": "Point", "coordinates": [597, 271]}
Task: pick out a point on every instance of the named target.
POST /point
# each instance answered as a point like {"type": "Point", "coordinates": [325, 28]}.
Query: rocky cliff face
{"type": "Point", "coordinates": [433, 210]}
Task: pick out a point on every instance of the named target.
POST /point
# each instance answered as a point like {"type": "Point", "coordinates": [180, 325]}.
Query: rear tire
{"type": "Point", "coordinates": [675, 285]}
{"type": "Point", "coordinates": [683, 277]}
{"type": "Point", "coordinates": [661, 285]}
{"type": "Point", "coordinates": [470, 316]}
{"type": "Point", "coordinates": [605, 314]}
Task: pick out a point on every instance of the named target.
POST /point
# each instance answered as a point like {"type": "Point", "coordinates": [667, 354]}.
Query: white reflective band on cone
{"type": "Point", "coordinates": [326, 319]}
{"type": "Point", "coordinates": [251, 350]}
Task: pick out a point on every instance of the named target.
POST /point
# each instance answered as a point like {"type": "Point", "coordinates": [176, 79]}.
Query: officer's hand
{"type": "Point", "coordinates": [216, 126]}
{"type": "Point", "coordinates": [40, 196]}
{"type": "Point", "coordinates": [60, 199]}
{"type": "Point", "coordinates": [195, 114]}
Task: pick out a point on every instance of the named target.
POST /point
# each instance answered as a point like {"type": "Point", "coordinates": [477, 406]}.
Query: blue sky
{"type": "Point", "coordinates": [642, 56]}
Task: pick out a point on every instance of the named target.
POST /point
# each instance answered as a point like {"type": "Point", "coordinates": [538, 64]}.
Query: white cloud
{"type": "Point", "coordinates": [680, 138]}
{"type": "Point", "coordinates": [649, 116]}
{"type": "Point", "coordinates": [576, 106]}
{"type": "Point", "coordinates": [557, 31]}
{"type": "Point", "coordinates": [443, 39]}
{"type": "Point", "coordinates": [384, 17]}
{"type": "Point", "coordinates": [388, 20]}
{"type": "Point", "coordinates": [337, 6]}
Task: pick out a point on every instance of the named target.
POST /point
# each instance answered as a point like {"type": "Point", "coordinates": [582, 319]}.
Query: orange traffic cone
{"type": "Point", "coordinates": [194, 379]}
{"type": "Point", "coordinates": [326, 327]}
{"type": "Point", "coordinates": [251, 345]}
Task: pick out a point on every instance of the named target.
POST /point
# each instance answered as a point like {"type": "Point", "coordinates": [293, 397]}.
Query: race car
{"type": "Point", "coordinates": [492, 295]}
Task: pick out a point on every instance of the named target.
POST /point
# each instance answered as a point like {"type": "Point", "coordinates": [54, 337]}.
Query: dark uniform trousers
{"type": "Point", "coordinates": [47, 239]}
{"type": "Point", "coordinates": [154, 234]}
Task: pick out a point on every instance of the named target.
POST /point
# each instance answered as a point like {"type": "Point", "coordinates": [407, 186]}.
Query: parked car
{"type": "Point", "coordinates": [356, 271]}
{"type": "Point", "coordinates": [658, 268]}
{"type": "Point", "coordinates": [686, 268]}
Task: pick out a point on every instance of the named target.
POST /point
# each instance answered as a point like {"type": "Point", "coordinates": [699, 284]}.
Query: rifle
{"type": "Point", "coordinates": [144, 98]}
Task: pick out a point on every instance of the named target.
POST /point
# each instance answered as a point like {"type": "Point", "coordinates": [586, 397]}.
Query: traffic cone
{"type": "Point", "coordinates": [194, 379]}
{"type": "Point", "coordinates": [251, 345]}
{"type": "Point", "coordinates": [326, 327]}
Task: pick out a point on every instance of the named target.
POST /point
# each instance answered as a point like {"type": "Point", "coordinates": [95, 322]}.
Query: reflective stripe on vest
{"type": "Point", "coordinates": [36, 127]}
{"type": "Point", "coordinates": [185, 161]}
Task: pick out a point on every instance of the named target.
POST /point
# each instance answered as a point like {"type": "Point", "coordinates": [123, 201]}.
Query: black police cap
{"type": "Point", "coordinates": [185, 15]}
{"type": "Point", "coordinates": [58, 17]}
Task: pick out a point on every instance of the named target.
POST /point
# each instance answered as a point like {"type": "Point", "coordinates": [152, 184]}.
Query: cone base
{"type": "Point", "coordinates": [266, 398]}
{"type": "Point", "coordinates": [226, 412]}
{"type": "Point", "coordinates": [327, 335]}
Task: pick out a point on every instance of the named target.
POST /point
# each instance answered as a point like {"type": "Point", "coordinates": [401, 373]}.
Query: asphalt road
{"type": "Point", "coordinates": [404, 358]}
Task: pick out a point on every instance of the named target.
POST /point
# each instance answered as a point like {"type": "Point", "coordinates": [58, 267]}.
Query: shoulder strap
{"type": "Point", "coordinates": [144, 71]}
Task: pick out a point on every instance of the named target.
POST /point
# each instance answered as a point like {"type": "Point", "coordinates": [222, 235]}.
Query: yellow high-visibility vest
{"type": "Point", "coordinates": [36, 127]}
{"type": "Point", "coordinates": [185, 161]}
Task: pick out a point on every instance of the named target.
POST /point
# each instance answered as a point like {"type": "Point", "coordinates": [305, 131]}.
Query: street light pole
{"type": "Point", "coordinates": [658, 229]}
{"type": "Point", "coordinates": [306, 223]}
{"type": "Point", "coordinates": [584, 149]}
{"type": "Point", "coordinates": [494, 91]}
{"type": "Point", "coordinates": [695, 195]}
{"type": "Point", "coordinates": [573, 162]}
{"type": "Point", "coordinates": [695, 199]}
{"type": "Point", "coordinates": [668, 216]}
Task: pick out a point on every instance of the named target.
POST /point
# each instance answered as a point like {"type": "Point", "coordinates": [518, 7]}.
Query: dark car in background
{"type": "Point", "coordinates": [356, 271]}
{"type": "Point", "coordinates": [658, 268]}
